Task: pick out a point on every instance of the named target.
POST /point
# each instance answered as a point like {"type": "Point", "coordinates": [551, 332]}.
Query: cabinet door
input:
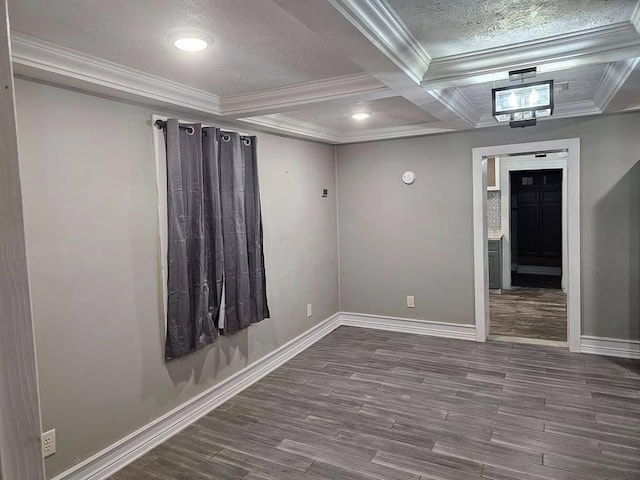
{"type": "Point", "coordinates": [495, 270]}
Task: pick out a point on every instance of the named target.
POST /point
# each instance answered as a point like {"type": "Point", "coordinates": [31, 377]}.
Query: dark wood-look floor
{"type": "Point", "coordinates": [529, 312]}
{"type": "Point", "coordinates": [365, 404]}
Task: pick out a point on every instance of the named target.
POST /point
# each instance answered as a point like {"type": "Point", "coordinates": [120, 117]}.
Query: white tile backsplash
{"type": "Point", "coordinates": [494, 212]}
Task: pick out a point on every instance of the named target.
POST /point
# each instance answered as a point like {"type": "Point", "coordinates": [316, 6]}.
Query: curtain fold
{"type": "Point", "coordinates": [245, 283]}
{"type": "Point", "coordinates": [214, 236]}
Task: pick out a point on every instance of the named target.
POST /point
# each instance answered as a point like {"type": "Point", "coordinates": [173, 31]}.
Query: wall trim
{"type": "Point", "coordinates": [379, 23]}
{"type": "Point", "coordinates": [596, 45]}
{"type": "Point", "coordinates": [409, 325]}
{"type": "Point", "coordinates": [116, 456]}
{"type": "Point", "coordinates": [106, 462]}
{"type": "Point", "coordinates": [612, 347]}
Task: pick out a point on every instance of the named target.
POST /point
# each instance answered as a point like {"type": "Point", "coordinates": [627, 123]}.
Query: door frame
{"type": "Point", "coordinates": [508, 165]}
{"type": "Point", "coordinates": [480, 231]}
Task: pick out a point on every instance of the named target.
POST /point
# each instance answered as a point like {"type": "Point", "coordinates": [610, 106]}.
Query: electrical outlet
{"type": "Point", "coordinates": [410, 301]}
{"type": "Point", "coordinates": [309, 310]}
{"type": "Point", "coordinates": [49, 443]}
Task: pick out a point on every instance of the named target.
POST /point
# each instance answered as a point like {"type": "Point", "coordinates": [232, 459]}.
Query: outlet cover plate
{"type": "Point", "coordinates": [49, 443]}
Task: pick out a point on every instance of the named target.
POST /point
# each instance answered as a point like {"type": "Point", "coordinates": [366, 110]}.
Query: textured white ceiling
{"type": "Point", "coordinates": [387, 112]}
{"type": "Point", "coordinates": [582, 86]}
{"type": "Point", "coordinates": [269, 44]}
{"type": "Point", "coordinates": [450, 27]}
{"type": "Point", "coordinates": [257, 44]}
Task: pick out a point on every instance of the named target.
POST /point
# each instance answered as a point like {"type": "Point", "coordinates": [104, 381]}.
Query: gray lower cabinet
{"type": "Point", "coordinates": [495, 264]}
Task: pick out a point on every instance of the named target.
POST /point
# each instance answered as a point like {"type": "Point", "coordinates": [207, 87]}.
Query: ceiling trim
{"type": "Point", "coordinates": [388, 133]}
{"type": "Point", "coordinates": [379, 23]}
{"type": "Point", "coordinates": [357, 87]}
{"type": "Point", "coordinates": [635, 17]}
{"type": "Point", "coordinates": [458, 103]}
{"type": "Point", "coordinates": [613, 78]}
{"type": "Point", "coordinates": [596, 45]}
{"type": "Point", "coordinates": [282, 123]}
{"type": "Point", "coordinates": [45, 61]}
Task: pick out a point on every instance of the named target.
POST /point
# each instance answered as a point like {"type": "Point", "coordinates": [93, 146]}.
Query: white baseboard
{"type": "Point", "coordinates": [409, 325]}
{"type": "Point", "coordinates": [105, 463]}
{"type": "Point", "coordinates": [611, 347]}
{"type": "Point", "coordinates": [116, 456]}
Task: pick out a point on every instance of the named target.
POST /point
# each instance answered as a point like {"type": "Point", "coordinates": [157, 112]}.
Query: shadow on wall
{"type": "Point", "coordinates": [617, 262]}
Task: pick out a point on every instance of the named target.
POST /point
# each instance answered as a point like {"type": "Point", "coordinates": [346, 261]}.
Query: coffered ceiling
{"type": "Point", "coordinates": [303, 67]}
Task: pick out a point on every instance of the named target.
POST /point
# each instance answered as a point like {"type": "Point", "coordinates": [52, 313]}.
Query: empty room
{"type": "Point", "coordinates": [320, 239]}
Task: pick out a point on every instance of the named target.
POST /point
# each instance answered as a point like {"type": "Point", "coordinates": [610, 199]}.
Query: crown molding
{"type": "Point", "coordinates": [358, 87]}
{"type": "Point", "coordinates": [35, 58]}
{"type": "Point", "coordinates": [458, 103]}
{"type": "Point", "coordinates": [378, 22]}
{"type": "Point", "coordinates": [280, 123]}
{"type": "Point", "coordinates": [596, 45]}
{"type": "Point", "coordinates": [635, 17]}
{"type": "Point", "coordinates": [613, 78]}
{"type": "Point", "coordinates": [386, 133]}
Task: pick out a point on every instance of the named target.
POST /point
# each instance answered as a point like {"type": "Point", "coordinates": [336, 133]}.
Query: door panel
{"type": "Point", "coordinates": [537, 211]}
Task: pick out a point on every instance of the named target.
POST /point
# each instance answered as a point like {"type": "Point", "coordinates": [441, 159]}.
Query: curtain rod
{"type": "Point", "coordinates": [162, 123]}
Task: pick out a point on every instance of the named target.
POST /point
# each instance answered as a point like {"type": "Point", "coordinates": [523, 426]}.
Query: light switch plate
{"type": "Point", "coordinates": [309, 310]}
{"type": "Point", "coordinates": [410, 301]}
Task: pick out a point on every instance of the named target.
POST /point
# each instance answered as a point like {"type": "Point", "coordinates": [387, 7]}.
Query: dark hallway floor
{"type": "Point", "coordinates": [529, 312]}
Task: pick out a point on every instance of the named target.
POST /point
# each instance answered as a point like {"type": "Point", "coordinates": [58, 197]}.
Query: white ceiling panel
{"type": "Point", "coordinates": [387, 112]}
{"type": "Point", "coordinates": [451, 27]}
{"type": "Point", "coordinates": [256, 45]}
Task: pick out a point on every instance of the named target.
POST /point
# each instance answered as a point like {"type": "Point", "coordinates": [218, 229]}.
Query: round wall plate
{"type": "Point", "coordinates": [408, 177]}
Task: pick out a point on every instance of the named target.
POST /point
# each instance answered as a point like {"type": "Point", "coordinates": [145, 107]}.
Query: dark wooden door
{"type": "Point", "coordinates": [537, 201]}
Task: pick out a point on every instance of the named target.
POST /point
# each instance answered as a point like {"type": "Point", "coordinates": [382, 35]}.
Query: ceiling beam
{"type": "Point", "coordinates": [613, 78]}
{"type": "Point", "coordinates": [279, 123]}
{"type": "Point", "coordinates": [560, 52]}
{"type": "Point", "coordinates": [381, 25]}
{"type": "Point", "coordinates": [354, 88]}
{"type": "Point", "coordinates": [458, 103]}
{"type": "Point", "coordinates": [373, 37]}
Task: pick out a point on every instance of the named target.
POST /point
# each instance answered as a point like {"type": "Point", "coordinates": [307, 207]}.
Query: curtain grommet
{"type": "Point", "coordinates": [226, 138]}
{"type": "Point", "coordinates": [246, 141]}
{"type": "Point", "coordinates": [190, 130]}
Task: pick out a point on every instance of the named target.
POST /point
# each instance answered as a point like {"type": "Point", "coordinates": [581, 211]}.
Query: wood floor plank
{"type": "Point", "coordinates": [374, 405]}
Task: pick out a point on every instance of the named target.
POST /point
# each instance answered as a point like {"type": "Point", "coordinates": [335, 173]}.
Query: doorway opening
{"type": "Point", "coordinates": [527, 242]}
{"type": "Point", "coordinates": [526, 299]}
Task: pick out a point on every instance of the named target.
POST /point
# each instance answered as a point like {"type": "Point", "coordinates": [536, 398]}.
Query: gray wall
{"type": "Point", "coordinates": [92, 244]}
{"type": "Point", "coordinates": [397, 240]}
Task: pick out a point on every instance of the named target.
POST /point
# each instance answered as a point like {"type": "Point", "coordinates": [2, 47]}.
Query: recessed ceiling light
{"type": "Point", "coordinates": [360, 115]}
{"type": "Point", "coordinates": [190, 41]}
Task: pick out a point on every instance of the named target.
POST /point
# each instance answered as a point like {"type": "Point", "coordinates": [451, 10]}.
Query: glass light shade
{"type": "Point", "coordinates": [523, 102]}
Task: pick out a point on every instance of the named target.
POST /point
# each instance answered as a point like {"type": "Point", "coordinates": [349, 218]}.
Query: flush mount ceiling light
{"type": "Point", "coordinates": [190, 41]}
{"type": "Point", "coordinates": [360, 115]}
{"type": "Point", "coordinates": [521, 105]}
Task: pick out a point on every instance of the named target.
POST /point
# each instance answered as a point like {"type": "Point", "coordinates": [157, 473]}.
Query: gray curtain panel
{"type": "Point", "coordinates": [214, 236]}
{"type": "Point", "coordinates": [195, 253]}
{"type": "Point", "coordinates": [245, 281]}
